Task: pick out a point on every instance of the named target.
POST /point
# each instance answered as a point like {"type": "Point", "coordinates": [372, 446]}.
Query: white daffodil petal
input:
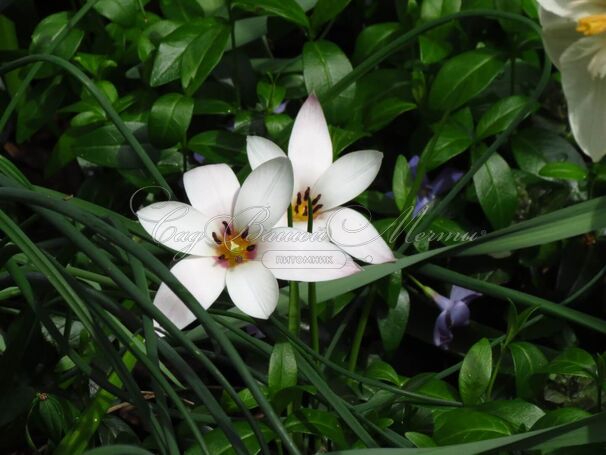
{"type": "Point", "coordinates": [574, 9]}
{"type": "Point", "coordinates": [586, 94]}
{"type": "Point", "coordinates": [212, 189]}
{"type": "Point", "coordinates": [309, 147]}
{"type": "Point", "coordinates": [347, 177]}
{"type": "Point", "coordinates": [253, 289]}
{"type": "Point", "coordinates": [260, 150]}
{"type": "Point", "coordinates": [203, 277]}
{"type": "Point", "coordinates": [353, 233]}
{"type": "Point", "coordinates": [179, 227]}
{"type": "Point", "coordinates": [264, 197]}
{"type": "Point", "coordinates": [293, 254]}
{"type": "Point", "coordinates": [559, 34]}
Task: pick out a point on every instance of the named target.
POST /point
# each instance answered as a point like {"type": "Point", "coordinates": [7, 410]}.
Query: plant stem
{"type": "Point", "coordinates": [294, 308]}
{"type": "Point", "coordinates": [357, 341]}
{"type": "Point", "coordinates": [311, 291]}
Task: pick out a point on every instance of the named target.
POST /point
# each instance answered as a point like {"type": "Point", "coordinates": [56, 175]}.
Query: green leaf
{"type": "Point", "coordinates": [527, 360]}
{"type": "Point", "coordinates": [184, 10]}
{"type": "Point", "coordinates": [169, 119]}
{"type": "Point", "coordinates": [574, 362]}
{"type": "Point", "coordinates": [373, 37]}
{"type": "Point", "coordinates": [453, 138]}
{"type": "Point", "coordinates": [325, 10]}
{"type": "Point", "coordinates": [475, 373]}
{"type": "Point", "coordinates": [500, 115]}
{"type": "Point", "coordinates": [385, 111]}
{"type": "Point", "coordinates": [202, 55]}
{"type": "Point", "coordinates": [45, 33]}
{"type": "Point", "coordinates": [420, 440]}
{"type": "Point", "coordinates": [122, 12]}
{"type": "Point", "coordinates": [217, 442]}
{"type": "Point", "coordinates": [433, 49]}
{"type": "Point", "coordinates": [392, 325]}
{"type": "Point", "coordinates": [317, 422]}
{"type": "Point", "coordinates": [496, 190]}
{"type": "Point", "coordinates": [560, 417]}
{"type": "Point", "coordinates": [464, 77]}
{"type": "Point", "coordinates": [41, 105]}
{"type": "Point", "coordinates": [383, 371]}
{"type": "Point", "coordinates": [519, 413]}
{"type": "Point", "coordinates": [286, 9]}
{"type": "Point", "coordinates": [217, 145]}
{"type": "Point", "coordinates": [465, 425]}
{"type": "Point", "coordinates": [401, 182]}
{"type": "Point", "coordinates": [106, 146]}
{"type": "Point", "coordinates": [434, 9]}
{"type": "Point", "coordinates": [324, 64]}
{"type": "Point", "coordinates": [563, 171]}
{"type": "Point", "coordinates": [282, 368]}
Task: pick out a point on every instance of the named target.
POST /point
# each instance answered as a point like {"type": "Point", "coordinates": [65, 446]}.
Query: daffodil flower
{"type": "Point", "coordinates": [574, 33]}
{"type": "Point", "coordinates": [327, 185]}
{"type": "Point", "coordinates": [228, 232]}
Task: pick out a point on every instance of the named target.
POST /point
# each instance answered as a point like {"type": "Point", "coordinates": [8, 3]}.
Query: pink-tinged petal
{"type": "Point", "coordinates": [260, 150]}
{"type": "Point", "coordinates": [212, 189]}
{"type": "Point", "coordinates": [347, 177]}
{"type": "Point", "coordinates": [202, 277]}
{"type": "Point", "coordinates": [354, 234]}
{"type": "Point", "coordinates": [574, 9]}
{"type": "Point", "coordinates": [264, 197]}
{"type": "Point", "coordinates": [253, 289]}
{"type": "Point", "coordinates": [296, 255]}
{"type": "Point", "coordinates": [179, 227]}
{"type": "Point", "coordinates": [310, 147]}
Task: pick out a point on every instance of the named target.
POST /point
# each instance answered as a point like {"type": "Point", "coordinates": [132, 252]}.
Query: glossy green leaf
{"type": "Point", "coordinates": [169, 119]}
{"type": "Point", "coordinates": [527, 360]}
{"type": "Point", "coordinates": [286, 9]}
{"type": "Point", "coordinates": [560, 417]}
{"type": "Point", "coordinates": [573, 361]}
{"type": "Point", "coordinates": [475, 373]}
{"type": "Point", "coordinates": [325, 10]}
{"type": "Point", "coordinates": [452, 138]}
{"type": "Point", "coordinates": [466, 425]}
{"type": "Point", "coordinates": [464, 77]}
{"type": "Point", "coordinates": [392, 324]}
{"type": "Point", "coordinates": [320, 423]}
{"type": "Point", "coordinates": [282, 368]}
{"type": "Point", "coordinates": [563, 171]}
{"type": "Point", "coordinates": [401, 182]}
{"type": "Point", "coordinates": [373, 37]}
{"type": "Point", "coordinates": [496, 190]}
{"type": "Point", "coordinates": [520, 414]}
{"type": "Point", "coordinates": [500, 115]}
{"type": "Point", "coordinates": [122, 12]}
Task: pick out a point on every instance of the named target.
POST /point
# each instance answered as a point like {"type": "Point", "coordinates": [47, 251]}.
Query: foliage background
{"type": "Point", "coordinates": [105, 98]}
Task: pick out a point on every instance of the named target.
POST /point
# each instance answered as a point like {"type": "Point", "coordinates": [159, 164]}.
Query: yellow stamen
{"type": "Point", "coordinates": [234, 249]}
{"type": "Point", "coordinates": [592, 25]}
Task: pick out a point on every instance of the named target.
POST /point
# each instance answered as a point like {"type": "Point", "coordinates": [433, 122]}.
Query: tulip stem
{"type": "Point", "coordinates": [294, 307]}
{"type": "Point", "coordinates": [360, 330]}
{"type": "Point", "coordinates": [311, 290]}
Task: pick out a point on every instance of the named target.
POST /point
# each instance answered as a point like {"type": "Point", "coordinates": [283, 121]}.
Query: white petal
{"type": "Point", "coordinates": [212, 189]}
{"type": "Point", "coordinates": [574, 9]}
{"type": "Point", "coordinates": [586, 96]}
{"type": "Point", "coordinates": [559, 33]}
{"type": "Point", "coordinates": [260, 150]}
{"type": "Point", "coordinates": [179, 227]}
{"type": "Point", "coordinates": [265, 196]}
{"type": "Point", "coordinates": [293, 254]}
{"type": "Point", "coordinates": [347, 177]}
{"type": "Point", "coordinates": [203, 277]}
{"type": "Point", "coordinates": [310, 147]}
{"type": "Point", "coordinates": [253, 289]}
{"type": "Point", "coordinates": [353, 233]}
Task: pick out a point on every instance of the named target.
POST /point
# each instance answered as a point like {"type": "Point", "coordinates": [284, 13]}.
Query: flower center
{"type": "Point", "coordinates": [300, 205]}
{"type": "Point", "coordinates": [234, 248]}
{"type": "Point", "coordinates": [592, 25]}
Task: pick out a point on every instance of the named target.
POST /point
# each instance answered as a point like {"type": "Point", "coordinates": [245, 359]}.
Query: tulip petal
{"type": "Point", "coordinates": [586, 94]}
{"type": "Point", "coordinates": [354, 234]}
{"type": "Point", "coordinates": [212, 189]}
{"type": "Point", "coordinates": [559, 33]}
{"type": "Point", "coordinates": [293, 254]}
{"type": "Point", "coordinates": [574, 9]}
{"type": "Point", "coordinates": [179, 227]}
{"type": "Point", "coordinates": [253, 289]}
{"type": "Point", "coordinates": [203, 277]}
{"type": "Point", "coordinates": [264, 196]}
{"type": "Point", "coordinates": [347, 177]}
{"type": "Point", "coordinates": [310, 147]}
{"type": "Point", "coordinates": [260, 150]}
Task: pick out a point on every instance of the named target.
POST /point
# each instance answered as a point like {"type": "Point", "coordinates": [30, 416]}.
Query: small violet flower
{"type": "Point", "coordinates": [455, 313]}
{"type": "Point", "coordinates": [432, 189]}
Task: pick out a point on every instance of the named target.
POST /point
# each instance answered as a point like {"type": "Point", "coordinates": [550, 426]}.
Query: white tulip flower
{"type": "Point", "coordinates": [228, 233]}
{"type": "Point", "coordinates": [574, 33]}
{"type": "Point", "coordinates": [328, 185]}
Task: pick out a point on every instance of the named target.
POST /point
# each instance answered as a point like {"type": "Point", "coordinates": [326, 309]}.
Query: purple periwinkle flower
{"type": "Point", "coordinates": [432, 189]}
{"type": "Point", "coordinates": [280, 108]}
{"type": "Point", "coordinates": [455, 313]}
